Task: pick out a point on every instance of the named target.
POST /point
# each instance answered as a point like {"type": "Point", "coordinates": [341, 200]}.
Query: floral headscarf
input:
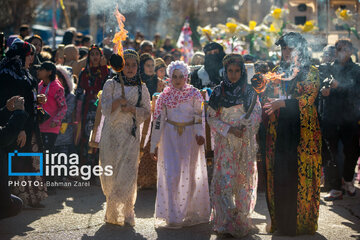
{"type": "Point", "coordinates": [171, 97]}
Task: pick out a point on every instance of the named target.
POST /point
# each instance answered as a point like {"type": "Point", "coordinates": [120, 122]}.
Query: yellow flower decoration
{"type": "Point", "coordinates": [346, 18]}
{"type": "Point", "coordinates": [99, 94]}
{"type": "Point", "coordinates": [231, 27]}
{"type": "Point", "coordinates": [277, 13]}
{"type": "Point", "coordinates": [345, 14]}
{"type": "Point", "coordinates": [308, 26]}
{"type": "Point", "coordinates": [268, 42]}
{"type": "Point", "coordinates": [252, 25]}
{"type": "Point", "coordinates": [206, 31]}
{"type": "Point", "coordinates": [272, 29]}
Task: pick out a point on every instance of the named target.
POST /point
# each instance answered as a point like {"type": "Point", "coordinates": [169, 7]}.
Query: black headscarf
{"type": "Point", "coordinates": [143, 59]}
{"type": "Point", "coordinates": [229, 94]}
{"type": "Point", "coordinates": [151, 81]}
{"type": "Point", "coordinates": [16, 80]}
{"type": "Point", "coordinates": [19, 48]}
{"type": "Point", "coordinates": [213, 62]}
{"type": "Point", "coordinates": [14, 61]}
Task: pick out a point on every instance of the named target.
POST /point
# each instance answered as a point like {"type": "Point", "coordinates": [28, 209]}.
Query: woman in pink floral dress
{"type": "Point", "coordinates": [234, 182]}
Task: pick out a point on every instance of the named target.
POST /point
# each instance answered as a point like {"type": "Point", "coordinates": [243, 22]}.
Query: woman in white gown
{"type": "Point", "coordinates": [120, 139]}
{"type": "Point", "coordinates": [234, 182]}
{"type": "Point", "coordinates": [182, 187]}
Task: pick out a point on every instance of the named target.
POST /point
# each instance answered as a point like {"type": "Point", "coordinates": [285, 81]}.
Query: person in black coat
{"type": "Point", "coordinates": [16, 80]}
{"type": "Point", "coordinates": [10, 205]}
{"type": "Point", "coordinates": [341, 116]}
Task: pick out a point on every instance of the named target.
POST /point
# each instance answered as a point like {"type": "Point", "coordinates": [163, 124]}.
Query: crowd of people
{"type": "Point", "coordinates": [156, 110]}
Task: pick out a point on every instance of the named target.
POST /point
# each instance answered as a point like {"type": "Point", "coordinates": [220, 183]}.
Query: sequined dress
{"type": "Point", "coordinates": [234, 182]}
{"type": "Point", "coordinates": [182, 188]}
{"type": "Point", "coordinates": [120, 149]}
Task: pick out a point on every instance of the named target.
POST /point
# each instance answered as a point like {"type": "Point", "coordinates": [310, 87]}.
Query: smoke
{"type": "Point", "coordinates": [303, 48]}
{"type": "Point", "coordinates": [316, 42]}
{"type": "Point", "coordinates": [108, 6]}
{"type": "Point", "coordinates": [165, 13]}
{"type": "Point", "coordinates": [147, 16]}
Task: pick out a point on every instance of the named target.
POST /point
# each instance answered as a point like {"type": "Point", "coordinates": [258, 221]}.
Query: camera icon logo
{"type": "Point", "coordinates": [16, 153]}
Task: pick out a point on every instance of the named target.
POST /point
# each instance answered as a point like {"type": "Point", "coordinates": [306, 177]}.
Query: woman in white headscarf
{"type": "Point", "coordinates": [182, 187]}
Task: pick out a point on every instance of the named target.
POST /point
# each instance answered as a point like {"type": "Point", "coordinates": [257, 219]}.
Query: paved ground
{"type": "Point", "coordinates": [78, 213]}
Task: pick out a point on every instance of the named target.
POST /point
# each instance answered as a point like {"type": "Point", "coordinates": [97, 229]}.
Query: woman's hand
{"type": "Point", "coordinates": [128, 109]}
{"type": "Point", "coordinates": [15, 103]}
{"type": "Point", "coordinates": [125, 107]}
{"type": "Point", "coordinates": [117, 103]}
{"type": "Point", "coordinates": [21, 140]}
{"type": "Point", "coordinates": [325, 91]}
{"type": "Point", "coordinates": [273, 105]}
{"type": "Point", "coordinates": [200, 140]}
{"type": "Point", "coordinates": [247, 122]}
{"type": "Point", "coordinates": [334, 84]}
{"type": "Point", "coordinates": [237, 132]}
{"type": "Point", "coordinates": [53, 125]}
{"type": "Point", "coordinates": [154, 155]}
{"type": "Point", "coordinates": [123, 101]}
{"type": "Point", "coordinates": [41, 99]}
{"type": "Point", "coordinates": [19, 103]}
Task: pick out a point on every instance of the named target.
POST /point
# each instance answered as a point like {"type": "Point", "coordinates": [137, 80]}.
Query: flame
{"type": "Point", "coordinates": [259, 83]}
{"type": "Point", "coordinates": [273, 77]}
{"type": "Point", "coordinates": [121, 35]}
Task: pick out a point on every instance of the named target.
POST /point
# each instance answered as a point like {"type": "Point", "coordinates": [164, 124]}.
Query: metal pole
{"type": "Point", "coordinates": [249, 11]}
{"type": "Point", "coordinates": [327, 20]}
{"type": "Point", "coordinates": [357, 14]}
{"type": "Point", "coordinates": [54, 29]}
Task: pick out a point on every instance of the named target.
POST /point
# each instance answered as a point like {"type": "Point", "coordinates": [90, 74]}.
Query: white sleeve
{"type": "Point", "coordinates": [143, 112]}
{"type": "Point", "coordinates": [107, 98]}
{"type": "Point", "coordinates": [157, 130]}
{"type": "Point", "coordinates": [199, 129]}
{"type": "Point", "coordinates": [216, 124]}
